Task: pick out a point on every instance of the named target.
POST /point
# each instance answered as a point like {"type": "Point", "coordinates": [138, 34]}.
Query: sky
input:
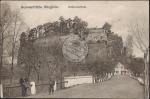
{"type": "Point", "coordinates": [118, 13]}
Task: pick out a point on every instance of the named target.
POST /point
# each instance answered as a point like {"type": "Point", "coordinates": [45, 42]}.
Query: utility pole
{"type": "Point", "coordinates": [1, 62]}
{"type": "Point", "coordinates": [146, 80]}
{"type": "Point", "coordinates": [1, 55]}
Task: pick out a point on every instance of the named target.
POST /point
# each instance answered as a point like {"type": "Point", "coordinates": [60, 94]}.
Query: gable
{"type": "Point", "coordinates": [119, 65]}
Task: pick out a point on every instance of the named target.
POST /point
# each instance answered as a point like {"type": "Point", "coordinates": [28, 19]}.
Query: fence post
{"type": "Point", "coordinates": [33, 89]}
{"type": "Point", "coordinates": [55, 86]}
{"type": "Point", "coordinates": [93, 80]}
{"type": "Point", "coordinates": [66, 84]}
{"type": "Point", "coordinates": [1, 91]}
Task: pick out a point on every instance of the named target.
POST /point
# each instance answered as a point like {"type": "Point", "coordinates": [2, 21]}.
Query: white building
{"type": "Point", "coordinates": [121, 70]}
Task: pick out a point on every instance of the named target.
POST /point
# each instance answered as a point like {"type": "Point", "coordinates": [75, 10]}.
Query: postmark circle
{"type": "Point", "coordinates": [74, 49]}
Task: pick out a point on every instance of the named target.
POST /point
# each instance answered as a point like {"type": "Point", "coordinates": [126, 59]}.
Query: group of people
{"type": "Point", "coordinates": [24, 82]}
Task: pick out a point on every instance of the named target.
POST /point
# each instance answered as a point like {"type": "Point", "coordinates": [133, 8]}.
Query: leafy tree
{"type": "Point", "coordinates": [96, 68]}
{"type": "Point", "coordinates": [46, 25]}
{"type": "Point", "coordinates": [63, 24]}
{"type": "Point", "coordinates": [56, 27]}
{"type": "Point", "coordinates": [129, 45]}
{"type": "Point", "coordinates": [39, 29]}
{"type": "Point", "coordinates": [116, 43]}
{"type": "Point", "coordinates": [69, 23]}
{"type": "Point", "coordinates": [23, 39]}
{"type": "Point", "coordinates": [79, 25]}
{"type": "Point", "coordinates": [107, 28]}
{"type": "Point", "coordinates": [137, 65]}
{"type": "Point", "coordinates": [109, 65]}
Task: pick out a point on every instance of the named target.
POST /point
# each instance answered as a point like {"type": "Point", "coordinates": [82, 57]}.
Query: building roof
{"type": "Point", "coordinates": [121, 64]}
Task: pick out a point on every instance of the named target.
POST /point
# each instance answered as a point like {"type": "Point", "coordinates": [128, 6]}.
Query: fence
{"type": "Point", "coordinates": [140, 79]}
{"type": "Point", "coordinates": [75, 80]}
{"type": "Point", "coordinates": [78, 80]}
{"type": "Point", "coordinates": [15, 91]}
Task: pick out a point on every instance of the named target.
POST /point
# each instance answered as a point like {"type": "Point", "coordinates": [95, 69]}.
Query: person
{"type": "Point", "coordinates": [51, 86]}
{"type": "Point", "coordinates": [24, 85]}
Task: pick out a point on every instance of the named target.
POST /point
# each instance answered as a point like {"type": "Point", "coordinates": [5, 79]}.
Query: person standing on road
{"type": "Point", "coordinates": [51, 86]}
{"type": "Point", "coordinates": [24, 85]}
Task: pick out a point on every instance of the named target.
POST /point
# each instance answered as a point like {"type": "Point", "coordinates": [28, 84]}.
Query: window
{"type": "Point", "coordinates": [117, 71]}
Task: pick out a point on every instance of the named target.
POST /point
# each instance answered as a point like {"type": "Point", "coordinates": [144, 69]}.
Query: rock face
{"type": "Point", "coordinates": [43, 56]}
{"type": "Point", "coordinates": [96, 39]}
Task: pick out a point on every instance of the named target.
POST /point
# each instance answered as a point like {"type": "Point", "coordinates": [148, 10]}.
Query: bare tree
{"type": "Point", "coordinates": [17, 26]}
{"type": "Point", "coordinates": [4, 24]}
{"type": "Point", "coordinates": [11, 27]}
{"type": "Point", "coordinates": [140, 33]}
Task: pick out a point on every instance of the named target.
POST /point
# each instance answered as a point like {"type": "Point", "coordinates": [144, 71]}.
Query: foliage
{"type": "Point", "coordinates": [64, 26]}
{"type": "Point", "coordinates": [99, 66]}
{"type": "Point", "coordinates": [117, 45]}
{"type": "Point", "coordinates": [129, 45]}
{"type": "Point", "coordinates": [137, 65]}
{"type": "Point", "coordinates": [107, 28]}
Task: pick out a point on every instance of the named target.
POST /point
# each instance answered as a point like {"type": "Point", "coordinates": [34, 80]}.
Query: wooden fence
{"type": "Point", "coordinates": [15, 91]}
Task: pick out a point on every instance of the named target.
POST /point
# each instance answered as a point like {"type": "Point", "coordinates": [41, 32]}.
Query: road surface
{"type": "Point", "coordinates": [121, 86]}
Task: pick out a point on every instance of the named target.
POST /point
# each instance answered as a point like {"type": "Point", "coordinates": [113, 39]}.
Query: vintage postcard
{"type": "Point", "coordinates": [74, 49]}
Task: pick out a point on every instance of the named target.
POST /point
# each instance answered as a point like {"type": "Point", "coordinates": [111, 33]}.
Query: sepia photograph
{"type": "Point", "coordinates": [74, 49]}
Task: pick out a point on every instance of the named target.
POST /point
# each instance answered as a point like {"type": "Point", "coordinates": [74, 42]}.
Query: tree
{"type": "Point", "coordinates": [79, 25]}
{"type": "Point", "coordinates": [34, 59]}
{"type": "Point", "coordinates": [58, 58]}
{"type": "Point", "coordinates": [129, 45]}
{"type": "Point", "coordinates": [17, 26]}
{"type": "Point", "coordinates": [116, 44]}
{"type": "Point", "coordinates": [107, 28]}
{"type": "Point", "coordinates": [140, 33]}
{"type": "Point", "coordinates": [39, 29]}
{"type": "Point", "coordinates": [96, 67]}
{"type": "Point", "coordinates": [69, 23]}
{"type": "Point", "coordinates": [56, 27]}
{"type": "Point", "coordinates": [109, 65]}
{"type": "Point", "coordinates": [11, 26]}
{"type": "Point", "coordinates": [137, 66]}
{"type": "Point", "coordinates": [4, 24]}
{"type": "Point", "coordinates": [63, 24]}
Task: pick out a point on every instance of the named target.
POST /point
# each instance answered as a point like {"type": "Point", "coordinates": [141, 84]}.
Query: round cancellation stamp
{"type": "Point", "coordinates": [74, 49]}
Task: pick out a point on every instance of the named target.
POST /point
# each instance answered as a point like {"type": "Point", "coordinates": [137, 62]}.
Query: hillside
{"type": "Point", "coordinates": [47, 51]}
